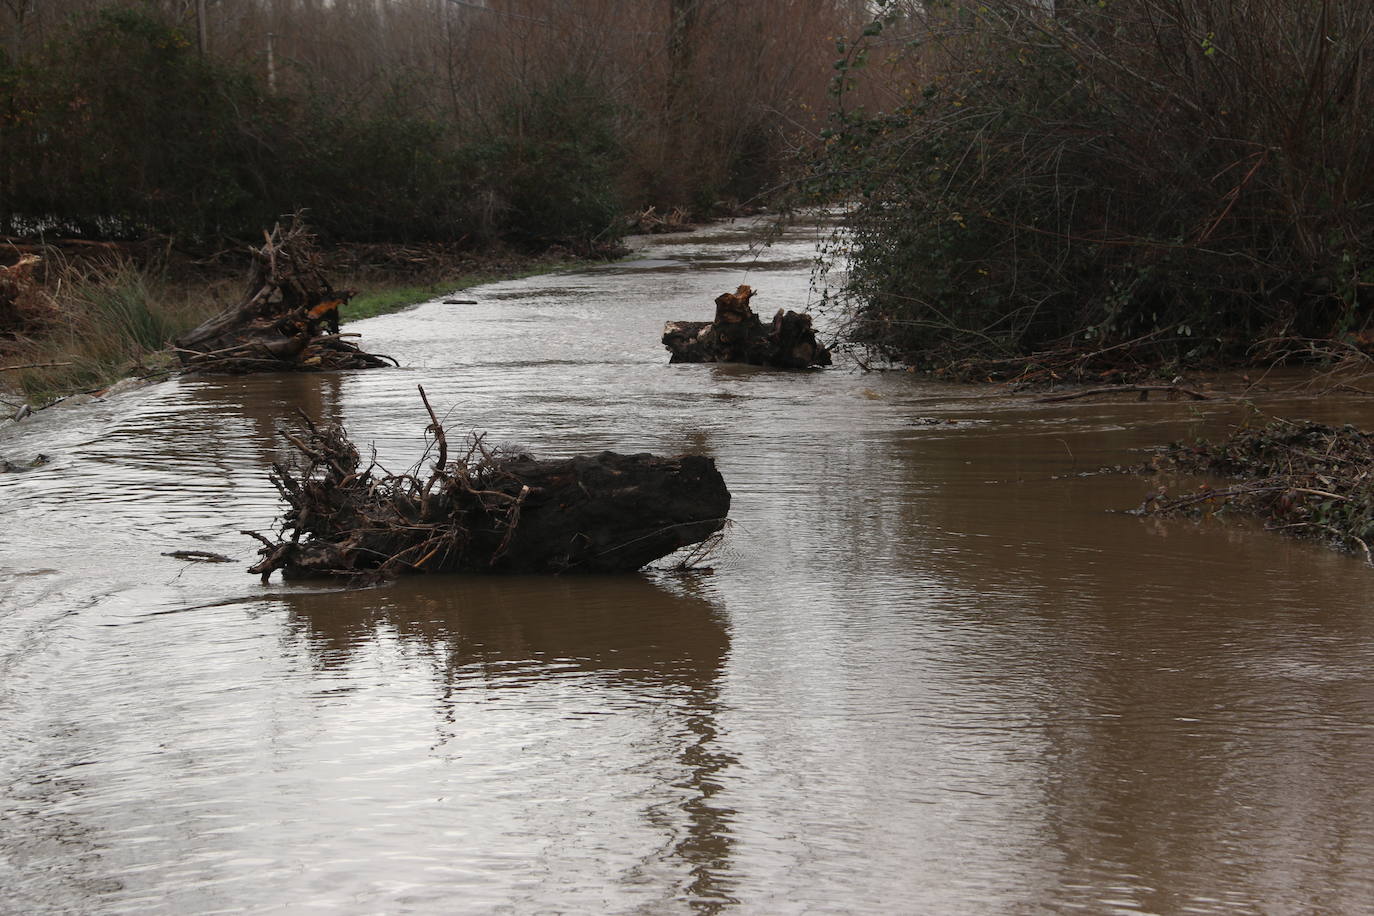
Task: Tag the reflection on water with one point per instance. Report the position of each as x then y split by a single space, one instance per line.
658 643
476 627
929 673
1196 695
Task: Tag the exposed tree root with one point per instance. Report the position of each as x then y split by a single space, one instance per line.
24 305
483 511
287 321
737 335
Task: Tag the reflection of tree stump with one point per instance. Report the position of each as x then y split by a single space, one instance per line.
738 336
288 321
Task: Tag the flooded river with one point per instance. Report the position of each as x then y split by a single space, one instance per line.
929 672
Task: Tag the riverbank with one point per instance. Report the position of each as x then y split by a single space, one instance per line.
76 323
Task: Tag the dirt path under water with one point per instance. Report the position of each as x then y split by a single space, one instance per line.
928 674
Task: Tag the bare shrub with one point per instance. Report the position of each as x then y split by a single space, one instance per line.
1043 175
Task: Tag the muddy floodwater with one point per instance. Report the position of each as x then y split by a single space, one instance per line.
929 672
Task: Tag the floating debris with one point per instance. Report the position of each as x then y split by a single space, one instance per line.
738 335
1302 478
198 556
485 511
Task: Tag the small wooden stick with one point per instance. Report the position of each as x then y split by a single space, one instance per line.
438 429
1112 389
203 556
32 366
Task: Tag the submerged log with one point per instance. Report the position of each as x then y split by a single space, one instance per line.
738 335
485 511
288 320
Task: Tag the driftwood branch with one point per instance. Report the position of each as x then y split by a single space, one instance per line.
200 556
288 319
485 512
1116 389
32 366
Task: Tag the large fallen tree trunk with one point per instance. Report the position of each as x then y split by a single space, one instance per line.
288 320
738 335
485 512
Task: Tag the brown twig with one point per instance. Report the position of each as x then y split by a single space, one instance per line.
512 520
1115 389
33 366
437 428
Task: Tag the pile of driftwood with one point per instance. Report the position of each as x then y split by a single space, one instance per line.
23 305
483 511
288 319
1302 478
737 335
651 222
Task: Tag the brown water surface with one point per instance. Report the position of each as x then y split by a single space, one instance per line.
930 673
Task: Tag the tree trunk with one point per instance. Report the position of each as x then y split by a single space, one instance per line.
487 512
737 335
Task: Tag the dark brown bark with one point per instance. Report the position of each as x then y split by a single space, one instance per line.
486 512
288 320
737 335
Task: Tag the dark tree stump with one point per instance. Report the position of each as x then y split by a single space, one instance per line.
738 335
486 512
606 513
288 321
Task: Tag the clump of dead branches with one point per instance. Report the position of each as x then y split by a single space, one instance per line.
1125 362
651 222
24 305
370 525
1302 478
482 510
287 321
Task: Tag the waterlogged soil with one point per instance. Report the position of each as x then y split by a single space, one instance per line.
928 673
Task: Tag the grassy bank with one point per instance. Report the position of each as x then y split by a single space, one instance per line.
85 326
384 295
81 327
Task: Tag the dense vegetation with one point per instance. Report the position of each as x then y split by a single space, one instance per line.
1162 181
406 120
144 144
1194 178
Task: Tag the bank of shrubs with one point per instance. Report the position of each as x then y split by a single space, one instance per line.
524 123
121 128
1196 175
